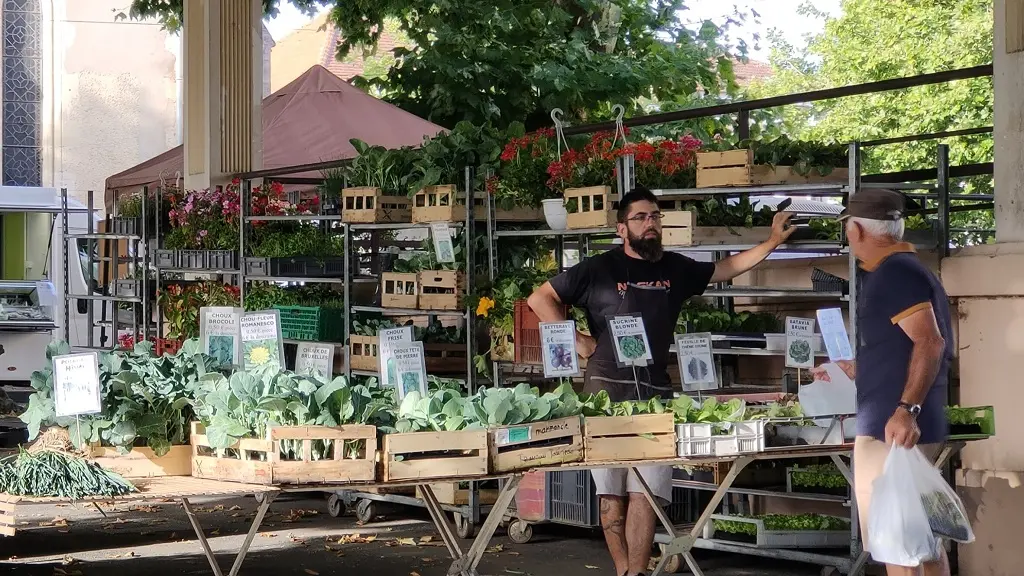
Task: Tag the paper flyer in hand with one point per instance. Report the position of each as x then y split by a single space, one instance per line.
630 339
696 362
410 369
262 344
799 342
220 333
315 358
833 332
558 348
76 384
443 246
389 339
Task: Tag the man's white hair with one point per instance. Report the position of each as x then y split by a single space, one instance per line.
891 229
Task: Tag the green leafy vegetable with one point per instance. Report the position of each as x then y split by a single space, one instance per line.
57 474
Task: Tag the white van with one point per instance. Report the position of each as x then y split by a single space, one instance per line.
31 266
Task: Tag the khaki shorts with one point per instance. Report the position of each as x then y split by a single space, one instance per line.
616 482
869 457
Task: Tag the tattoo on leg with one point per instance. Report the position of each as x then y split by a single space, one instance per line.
611 519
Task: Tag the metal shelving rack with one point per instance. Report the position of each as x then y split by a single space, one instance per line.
938 191
138 258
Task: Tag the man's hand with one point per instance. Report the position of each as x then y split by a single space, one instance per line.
585 345
848 366
902 429
780 229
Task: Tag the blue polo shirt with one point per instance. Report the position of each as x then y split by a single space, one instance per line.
891 290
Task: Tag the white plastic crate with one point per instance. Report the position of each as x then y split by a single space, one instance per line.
742 438
694 440
784 538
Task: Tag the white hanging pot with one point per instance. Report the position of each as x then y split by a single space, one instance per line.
555 213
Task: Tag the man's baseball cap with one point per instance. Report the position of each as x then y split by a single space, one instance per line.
877 204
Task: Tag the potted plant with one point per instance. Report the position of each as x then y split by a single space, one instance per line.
522 174
180 304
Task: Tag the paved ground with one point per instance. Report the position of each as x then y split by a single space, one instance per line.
298 538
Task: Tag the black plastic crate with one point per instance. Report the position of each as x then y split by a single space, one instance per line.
222 260
822 281
308 267
256 266
166 258
192 259
123 225
129 288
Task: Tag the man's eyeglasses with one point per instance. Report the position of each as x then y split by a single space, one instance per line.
644 217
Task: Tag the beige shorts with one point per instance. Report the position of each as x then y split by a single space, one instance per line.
869 457
616 482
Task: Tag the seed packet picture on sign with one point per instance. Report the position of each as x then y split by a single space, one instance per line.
561 356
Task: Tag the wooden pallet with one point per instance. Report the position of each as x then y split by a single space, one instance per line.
366 205
737 168
142 462
259 461
441 289
594 208
419 455
640 437
538 444
399 290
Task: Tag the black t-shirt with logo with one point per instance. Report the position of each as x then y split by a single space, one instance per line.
599 284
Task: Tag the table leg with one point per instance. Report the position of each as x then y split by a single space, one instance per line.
440 522
682 545
465 564
261 512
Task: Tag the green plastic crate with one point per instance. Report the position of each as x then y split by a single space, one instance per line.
311 323
985 417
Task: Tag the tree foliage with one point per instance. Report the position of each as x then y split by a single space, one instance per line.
502 61
881 39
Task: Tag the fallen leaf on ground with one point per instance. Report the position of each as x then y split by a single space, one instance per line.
312 572
233 508
496 549
406 541
589 567
298 540
144 508
425 539
267 535
128 554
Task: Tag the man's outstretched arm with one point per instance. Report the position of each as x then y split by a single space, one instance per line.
732 266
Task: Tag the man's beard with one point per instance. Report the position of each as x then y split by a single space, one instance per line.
649 249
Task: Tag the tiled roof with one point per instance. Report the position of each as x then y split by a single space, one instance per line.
747 72
354 65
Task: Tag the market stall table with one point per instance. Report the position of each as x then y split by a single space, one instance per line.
181 488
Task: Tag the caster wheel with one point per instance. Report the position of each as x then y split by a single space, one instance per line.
464 527
830 571
336 506
675 563
366 510
520 532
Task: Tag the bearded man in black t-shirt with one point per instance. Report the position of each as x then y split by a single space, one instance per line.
639 279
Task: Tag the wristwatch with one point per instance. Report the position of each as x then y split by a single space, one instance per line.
914 409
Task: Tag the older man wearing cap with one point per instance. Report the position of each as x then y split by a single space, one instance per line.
904 348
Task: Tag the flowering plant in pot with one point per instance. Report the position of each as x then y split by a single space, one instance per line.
522 173
180 304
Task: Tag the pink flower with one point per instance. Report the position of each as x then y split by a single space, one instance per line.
202 233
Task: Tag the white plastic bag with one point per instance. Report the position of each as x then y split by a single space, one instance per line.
911 507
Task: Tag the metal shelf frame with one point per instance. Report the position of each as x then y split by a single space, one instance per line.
138 259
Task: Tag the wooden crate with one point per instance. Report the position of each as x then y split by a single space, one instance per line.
639 437
420 455
142 462
737 168
437 204
441 289
366 205
450 493
677 228
725 235
363 352
538 444
243 466
399 290
593 208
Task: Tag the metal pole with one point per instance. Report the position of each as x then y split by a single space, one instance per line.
90 246
743 124
942 187
157 243
470 198
64 264
144 284
244 197
854 186
346 233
